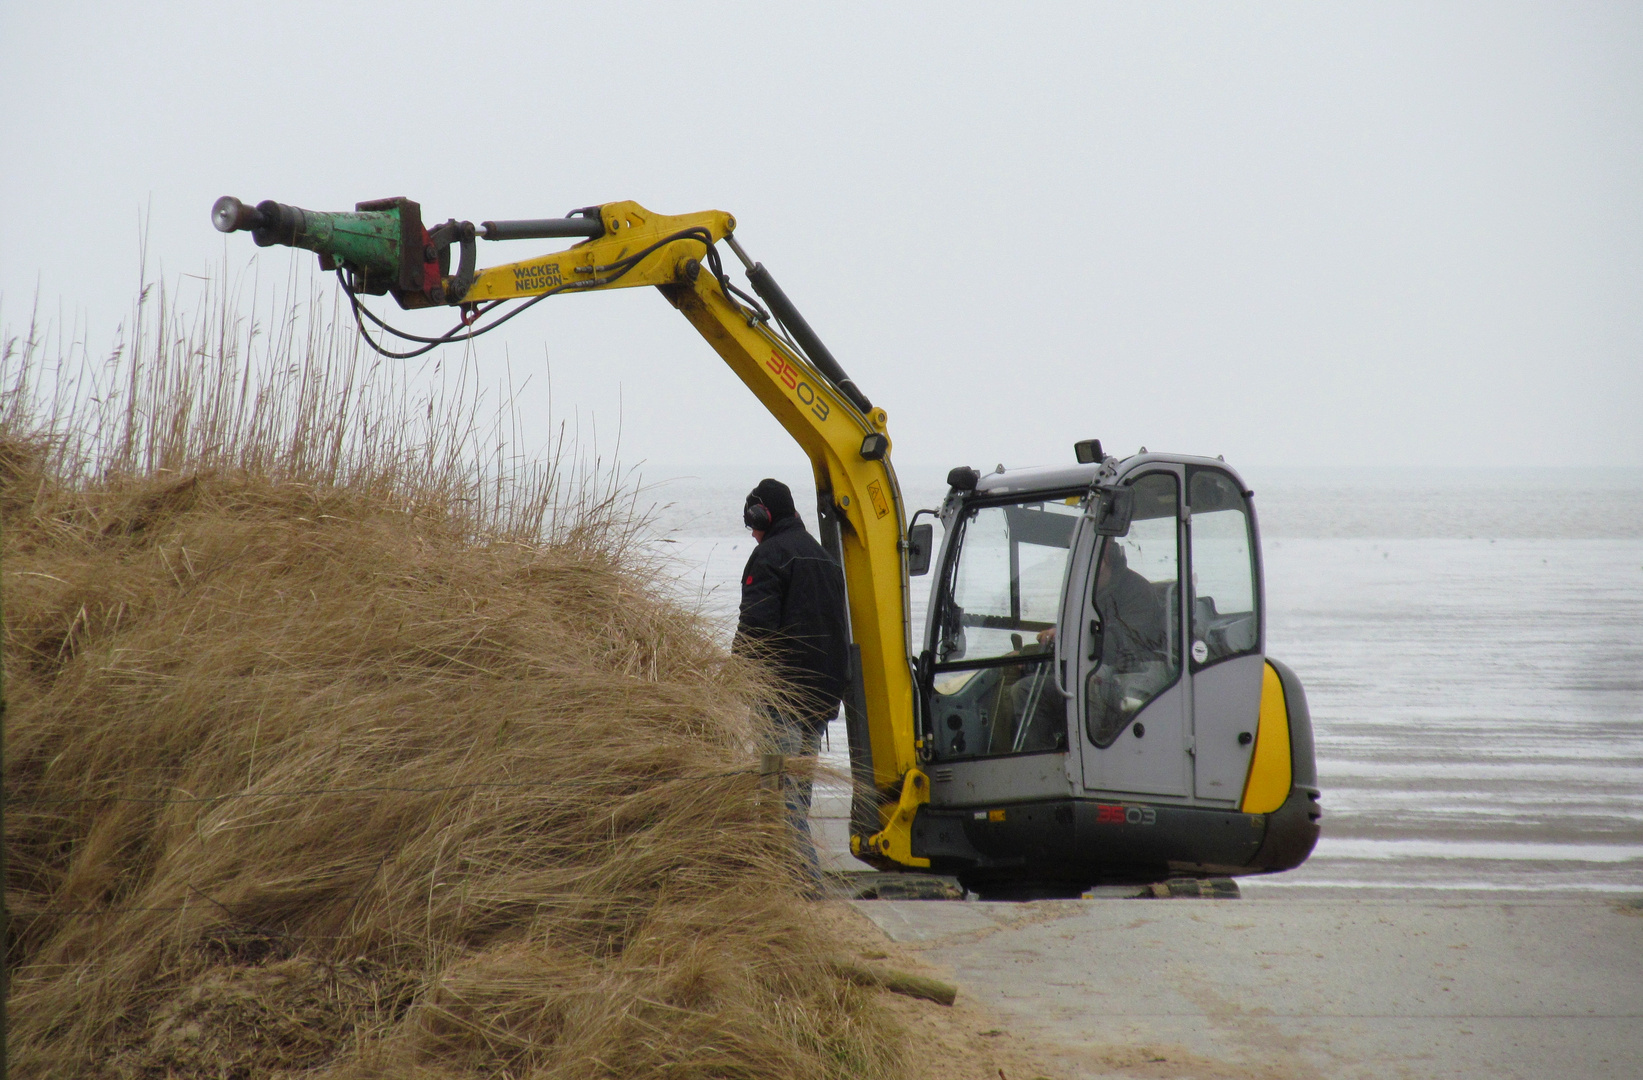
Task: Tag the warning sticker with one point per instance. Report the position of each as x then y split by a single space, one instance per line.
875 492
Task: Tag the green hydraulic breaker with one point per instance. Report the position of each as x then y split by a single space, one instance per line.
382 246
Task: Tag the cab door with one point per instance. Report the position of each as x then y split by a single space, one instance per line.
1132 709
1224 651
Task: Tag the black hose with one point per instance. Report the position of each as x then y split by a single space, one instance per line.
612 272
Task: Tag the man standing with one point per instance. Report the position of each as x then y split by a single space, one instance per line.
792 617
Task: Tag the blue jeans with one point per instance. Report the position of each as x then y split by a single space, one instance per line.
795 738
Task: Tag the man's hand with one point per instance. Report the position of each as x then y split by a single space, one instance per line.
1046 635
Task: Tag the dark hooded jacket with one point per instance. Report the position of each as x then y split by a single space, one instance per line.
793 616
1132 616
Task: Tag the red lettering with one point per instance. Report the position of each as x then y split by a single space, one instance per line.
1109 815
789 376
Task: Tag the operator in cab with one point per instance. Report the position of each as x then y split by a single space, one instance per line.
1136 658
793 618
1132 615
1135 652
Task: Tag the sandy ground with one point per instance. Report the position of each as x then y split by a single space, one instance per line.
967 1040
1459 987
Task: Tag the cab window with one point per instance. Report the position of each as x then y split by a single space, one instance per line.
1134 638
1000 598
1225 620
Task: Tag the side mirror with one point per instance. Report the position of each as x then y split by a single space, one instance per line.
920 541
1114 509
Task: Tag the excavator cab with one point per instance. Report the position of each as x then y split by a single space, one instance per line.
1096 702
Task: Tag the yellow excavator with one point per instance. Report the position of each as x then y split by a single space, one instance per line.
1092 703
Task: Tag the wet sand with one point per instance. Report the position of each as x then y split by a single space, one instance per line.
1468 987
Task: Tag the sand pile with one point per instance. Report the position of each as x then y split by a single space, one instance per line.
320 775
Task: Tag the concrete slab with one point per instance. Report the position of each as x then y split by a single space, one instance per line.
1458 988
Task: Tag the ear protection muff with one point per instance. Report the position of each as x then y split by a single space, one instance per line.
755 515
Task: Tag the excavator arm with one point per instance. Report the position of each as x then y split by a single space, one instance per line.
862 520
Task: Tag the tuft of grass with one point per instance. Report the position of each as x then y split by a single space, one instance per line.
201 382
338 746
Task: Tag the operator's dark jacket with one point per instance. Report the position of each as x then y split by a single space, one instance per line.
793 615
1132 615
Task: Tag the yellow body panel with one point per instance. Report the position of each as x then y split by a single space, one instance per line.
1269 768
830 429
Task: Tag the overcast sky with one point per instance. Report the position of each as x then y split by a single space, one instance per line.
1294 234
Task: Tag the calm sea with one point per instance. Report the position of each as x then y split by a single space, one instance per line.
1471 642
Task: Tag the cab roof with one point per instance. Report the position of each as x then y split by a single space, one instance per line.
1025 481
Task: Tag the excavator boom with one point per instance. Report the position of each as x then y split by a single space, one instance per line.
861 517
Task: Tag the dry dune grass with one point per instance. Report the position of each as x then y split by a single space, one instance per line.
334 755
